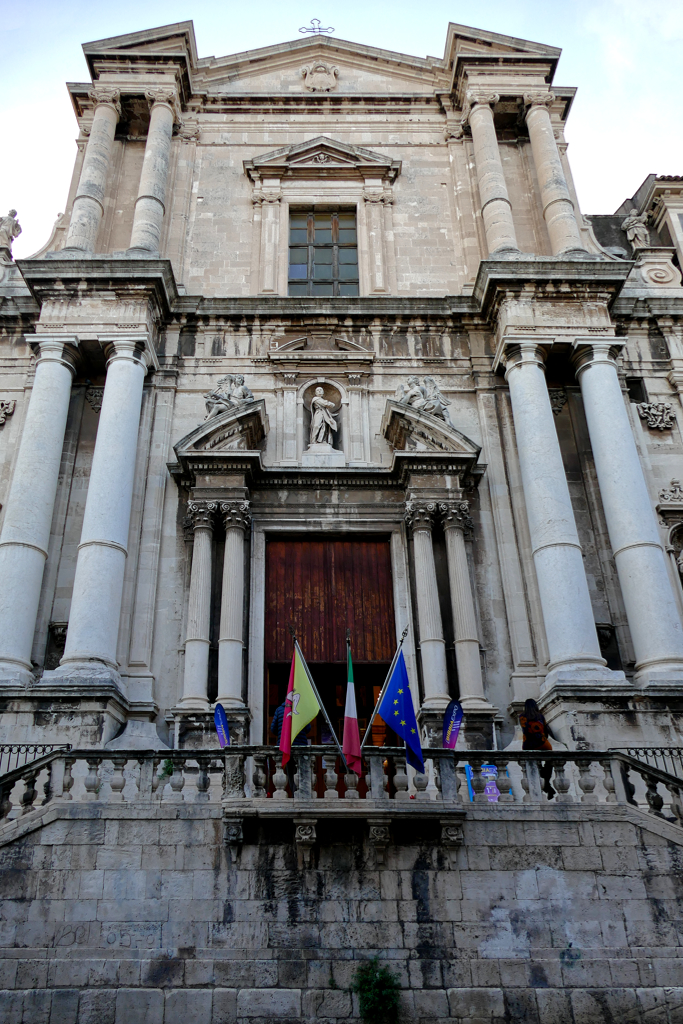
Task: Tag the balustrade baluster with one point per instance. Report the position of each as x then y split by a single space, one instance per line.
676 802
68 780
280 782
259 777
378 779
421 782
29 792
436 769
5 802
561 783
203 782
608 782
234 779
478 782
655 802
351 780
587 782
304 790
463 787
401 781
117 781
92 780
176 782
145 779
329 763
504 784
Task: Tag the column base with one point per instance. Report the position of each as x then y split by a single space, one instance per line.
196 729
83 673
595 678
84 714
138 253
663 679
138 736
14 674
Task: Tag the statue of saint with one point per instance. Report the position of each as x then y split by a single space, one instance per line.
236 394
435 403
323 423
636 230
9 230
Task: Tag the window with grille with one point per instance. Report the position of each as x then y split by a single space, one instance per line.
323 253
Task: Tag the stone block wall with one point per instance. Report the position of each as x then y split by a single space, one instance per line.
111 915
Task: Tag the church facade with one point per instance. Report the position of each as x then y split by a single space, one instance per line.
324 341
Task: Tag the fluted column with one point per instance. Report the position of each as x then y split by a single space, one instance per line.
150 205
558 208
456 519
236 517
573 645
649 599
196 680
98 584
88 207
419 517
496 209
30 503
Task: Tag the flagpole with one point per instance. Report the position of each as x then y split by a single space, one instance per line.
404 634
322 706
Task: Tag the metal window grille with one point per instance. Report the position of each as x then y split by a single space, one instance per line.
323 253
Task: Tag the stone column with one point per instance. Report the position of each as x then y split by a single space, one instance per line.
98 584
496 209
456 519
573 646
419 517
151 202
196 679
237 518
88 207
641 563
270 239
558 209
374 213
30 503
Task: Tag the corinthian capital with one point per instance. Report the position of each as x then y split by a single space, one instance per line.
420 515
106 94
455 514
200 514
164 94
538 99
236 513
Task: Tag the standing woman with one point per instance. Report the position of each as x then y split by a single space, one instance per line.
536 733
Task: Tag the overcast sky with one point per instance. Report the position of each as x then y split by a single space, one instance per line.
623 55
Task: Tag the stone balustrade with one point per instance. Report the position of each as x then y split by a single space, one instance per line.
248 781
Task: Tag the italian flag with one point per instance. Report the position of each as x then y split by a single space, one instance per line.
351 742
301 705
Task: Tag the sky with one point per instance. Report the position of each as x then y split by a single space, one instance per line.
623 55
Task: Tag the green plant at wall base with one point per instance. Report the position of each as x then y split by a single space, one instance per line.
378 990
166 769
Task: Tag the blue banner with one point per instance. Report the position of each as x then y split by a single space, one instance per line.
397 711
222 729
451 724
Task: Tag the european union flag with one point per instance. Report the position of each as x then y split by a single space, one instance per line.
397 711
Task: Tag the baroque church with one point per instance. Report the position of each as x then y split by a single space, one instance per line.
323 342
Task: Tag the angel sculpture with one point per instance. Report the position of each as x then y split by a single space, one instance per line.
219 401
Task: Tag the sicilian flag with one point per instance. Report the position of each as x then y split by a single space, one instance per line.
396 709
301 704
351 741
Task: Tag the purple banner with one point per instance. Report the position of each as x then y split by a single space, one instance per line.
451 724
221 723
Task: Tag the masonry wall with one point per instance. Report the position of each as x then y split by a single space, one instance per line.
116 916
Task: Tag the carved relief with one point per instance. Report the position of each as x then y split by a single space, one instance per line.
320 77
672 493
93 397
658 415
7 407
558 400
234 393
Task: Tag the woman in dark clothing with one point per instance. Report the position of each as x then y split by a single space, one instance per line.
536 733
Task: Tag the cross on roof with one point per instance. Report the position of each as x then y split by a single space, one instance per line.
316 30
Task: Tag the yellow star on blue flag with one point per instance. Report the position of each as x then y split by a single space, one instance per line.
397 694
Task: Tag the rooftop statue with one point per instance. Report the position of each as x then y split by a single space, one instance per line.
636 230
425 397
9 230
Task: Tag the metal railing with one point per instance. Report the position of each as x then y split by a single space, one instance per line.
247 778
14 755
667 759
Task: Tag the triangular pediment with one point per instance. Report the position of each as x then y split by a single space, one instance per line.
409 430
241 429
322 156
166 39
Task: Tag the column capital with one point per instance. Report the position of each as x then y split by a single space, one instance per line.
478 98
235 514
518 352
455 515
538 99
106 95
589 351
200 514
165 95
60 348
135 346
420 515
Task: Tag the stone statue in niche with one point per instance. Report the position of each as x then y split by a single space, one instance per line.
636 230
9 230
323 423
424 397
223 399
